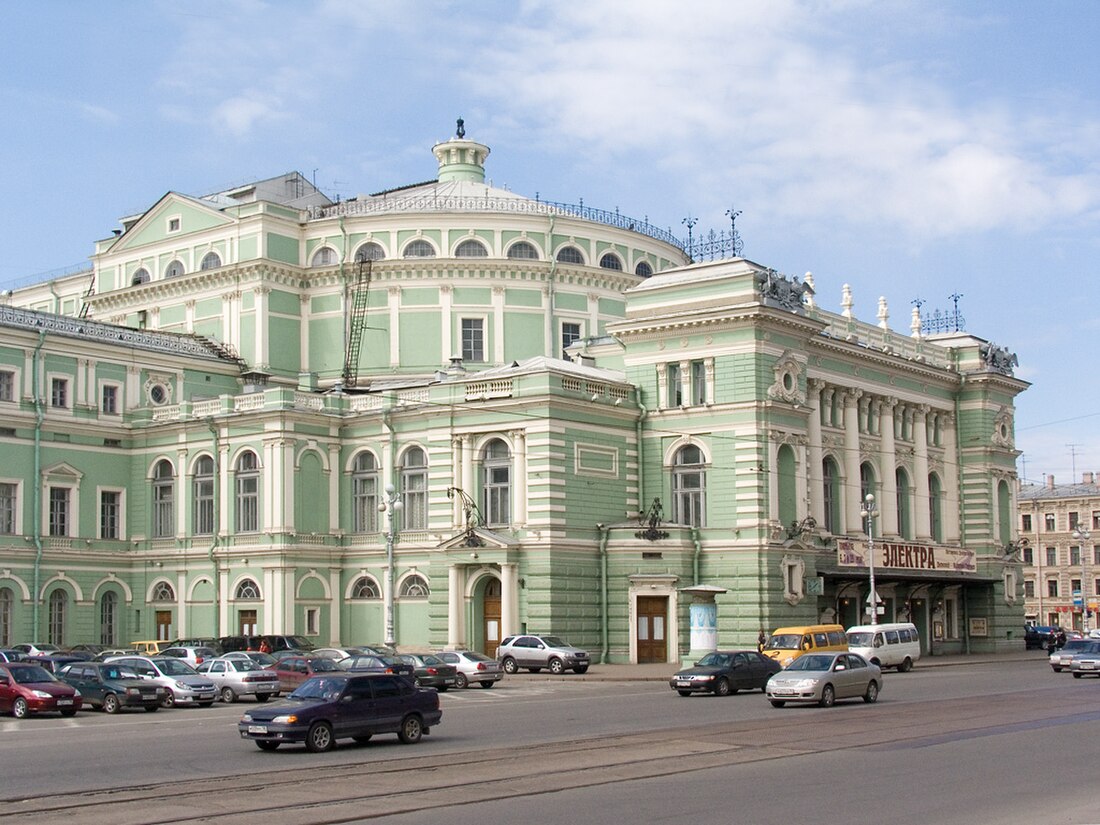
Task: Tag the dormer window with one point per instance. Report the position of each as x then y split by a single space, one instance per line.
611 261
174 224
570 255
211 260
643 269
140 277
523 251
419 249
369 251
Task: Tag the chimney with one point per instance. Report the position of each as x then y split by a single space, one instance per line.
1050 481
1087 478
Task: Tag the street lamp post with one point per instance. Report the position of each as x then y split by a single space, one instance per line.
392 506
869 512
1081 534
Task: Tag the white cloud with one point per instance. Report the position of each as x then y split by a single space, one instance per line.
239 115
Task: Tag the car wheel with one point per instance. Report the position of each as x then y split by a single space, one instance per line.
19 709
722 687
152 708
906 665
460 680
411 730
557 666
169 700
581 669
1056 669
110 703
828 696
319 739
487 684
684 692
362 740
777 703
261 697
69 712
509 665
1076 675
264 745
208 704
871 696
228 696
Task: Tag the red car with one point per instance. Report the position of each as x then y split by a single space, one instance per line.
293 670
27 688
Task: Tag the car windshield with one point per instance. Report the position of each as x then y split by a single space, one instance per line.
299 642
555 641
244 665
31 675
174 667
812 663
714 660
784 641
324 666
117 673
860 639
431 660
320 687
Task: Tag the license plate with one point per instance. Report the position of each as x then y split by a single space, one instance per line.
64 702
683 684
257 728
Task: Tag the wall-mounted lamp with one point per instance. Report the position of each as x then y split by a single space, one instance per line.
473 555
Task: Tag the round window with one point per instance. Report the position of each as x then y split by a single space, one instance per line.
788 381
158 393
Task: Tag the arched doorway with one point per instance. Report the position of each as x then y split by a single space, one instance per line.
490 611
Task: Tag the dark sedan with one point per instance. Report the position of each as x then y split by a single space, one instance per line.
343 706
723 672
375 664
429 670
112 687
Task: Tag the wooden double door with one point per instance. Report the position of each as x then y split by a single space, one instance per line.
650 629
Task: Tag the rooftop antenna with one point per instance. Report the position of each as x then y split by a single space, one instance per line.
1073 448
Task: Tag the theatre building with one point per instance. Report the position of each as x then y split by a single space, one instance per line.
446 413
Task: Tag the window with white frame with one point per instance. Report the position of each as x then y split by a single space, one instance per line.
108 399
7 385
570 255
164 509
364 493
370 251
211 260
1075 556
414 489
675 389
7 604
523 251
325 256
59 392
471 249
313 621
496 494
59 607
570 333
164 592
110 514
414 587
108 619
8 503
366 588
247 591
689 486
174 269
1048 522
140 277
419 248
202 494
60 516
248 493
174 223
611 261
698 382
643 269
473 339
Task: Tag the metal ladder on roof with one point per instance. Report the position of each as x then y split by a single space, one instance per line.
357 322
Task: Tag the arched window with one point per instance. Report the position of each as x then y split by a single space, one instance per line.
830 477
643 269
414 489
935 507
7 603
325 256
248 492
414 587
905 498
59 607
471 249
867 482
419 248
211 260
364 494
1004 509
611 261
140 277
173 270
523 251
496 491
247 591
689 487
108 619
787 486
164 509
370 251
164 592
570 255
366 588
202 487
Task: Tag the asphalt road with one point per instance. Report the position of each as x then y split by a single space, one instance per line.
977 743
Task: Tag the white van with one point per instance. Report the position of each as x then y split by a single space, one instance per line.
887 645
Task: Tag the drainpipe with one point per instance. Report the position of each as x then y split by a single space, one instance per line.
695 558
554 343
217 526
604 535
36 514
642 413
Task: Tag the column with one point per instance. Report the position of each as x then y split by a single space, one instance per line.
303 331
133 391
550 346
395 325
685 383
456 601
262 358
28 374
285 491
181 491
816 456
80 391
920 470
952 473
335 471
272 598
888 507
662 386
468 467
222 469
336 606
286 622
519 485
189 315
498 325
852 491
446 320
593 318
509 599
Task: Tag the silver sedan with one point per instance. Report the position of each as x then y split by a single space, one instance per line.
473 667
822 678
240 677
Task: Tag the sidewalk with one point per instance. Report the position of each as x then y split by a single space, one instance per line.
660 672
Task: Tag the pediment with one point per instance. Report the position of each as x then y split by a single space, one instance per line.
152 227
468 540
62 470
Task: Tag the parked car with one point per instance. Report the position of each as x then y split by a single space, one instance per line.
1040 636
294 670
27 688
112 652
112 687
822 678
367 663
151 647
194 656
36 648
183 686
538 652
94 650
429 670
473 667
12 656
262 659
341 706
723 672
54 661
338 653
1061 659
1086 662
240 677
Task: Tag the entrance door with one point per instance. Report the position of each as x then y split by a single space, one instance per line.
246 622
491 611
652 613
164 626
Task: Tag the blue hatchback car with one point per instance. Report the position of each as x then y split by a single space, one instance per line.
344 706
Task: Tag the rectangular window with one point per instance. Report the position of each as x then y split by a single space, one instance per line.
59 392
1096 588
1096 519
1096 554
248 504
7 508
59 511
1075 556
313 621
110 514
1025 522
473 339
1073 520
1052 587
1029 589
570 332
1052 557
1029 555
1074 586
109 401
7 385
365 504
204 505
675 391
698 383
414 496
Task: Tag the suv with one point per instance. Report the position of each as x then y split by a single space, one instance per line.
1040 636
230 644
538 652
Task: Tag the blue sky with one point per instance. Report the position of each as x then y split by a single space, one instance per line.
911 149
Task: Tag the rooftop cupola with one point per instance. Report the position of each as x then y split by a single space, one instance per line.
461 159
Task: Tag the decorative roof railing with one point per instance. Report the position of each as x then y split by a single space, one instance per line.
83 268
884 340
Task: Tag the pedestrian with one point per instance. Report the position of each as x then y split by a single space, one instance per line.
265 646
761 640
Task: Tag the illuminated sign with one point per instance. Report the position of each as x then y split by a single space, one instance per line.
894 555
